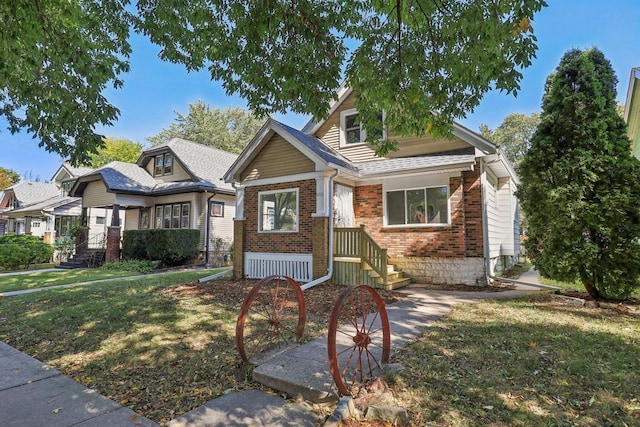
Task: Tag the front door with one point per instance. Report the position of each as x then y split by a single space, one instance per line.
344 213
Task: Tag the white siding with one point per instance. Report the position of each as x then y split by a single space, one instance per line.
493 215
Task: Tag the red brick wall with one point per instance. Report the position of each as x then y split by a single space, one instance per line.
300 242
463 238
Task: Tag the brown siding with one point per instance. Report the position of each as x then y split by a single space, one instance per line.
95 194
300 242
277 158
329 132
463 238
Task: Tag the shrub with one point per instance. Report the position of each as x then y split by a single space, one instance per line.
133 244
21 250
138 265
171 246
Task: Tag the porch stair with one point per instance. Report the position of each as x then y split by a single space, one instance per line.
395 279
358 259
85 259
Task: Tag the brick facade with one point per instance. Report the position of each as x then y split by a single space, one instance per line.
300 242
320 246
238 249
113 244
463 238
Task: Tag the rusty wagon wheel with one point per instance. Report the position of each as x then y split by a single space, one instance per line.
359 338
272 316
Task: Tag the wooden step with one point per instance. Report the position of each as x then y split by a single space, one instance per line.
396 283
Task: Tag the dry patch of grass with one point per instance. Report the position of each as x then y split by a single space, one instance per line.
530 361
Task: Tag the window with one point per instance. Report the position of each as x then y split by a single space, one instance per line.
217 209
145 218
176 215
278 211
351 132
35 224
163 165
100 220
420 206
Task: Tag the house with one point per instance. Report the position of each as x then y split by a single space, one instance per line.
632 111
318 204
173 185
15 218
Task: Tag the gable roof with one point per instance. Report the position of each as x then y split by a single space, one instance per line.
27 192
72 171
204 163
310 146
480 143
48 206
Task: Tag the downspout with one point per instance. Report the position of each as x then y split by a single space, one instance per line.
206 233
485 242
330 268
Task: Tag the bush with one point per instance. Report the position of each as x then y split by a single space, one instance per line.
138 265
21 250
171 246
133 244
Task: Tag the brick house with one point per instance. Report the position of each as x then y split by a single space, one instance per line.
318 204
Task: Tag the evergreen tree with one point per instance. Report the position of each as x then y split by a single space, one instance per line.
580 185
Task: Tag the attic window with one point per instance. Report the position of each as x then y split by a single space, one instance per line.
351 132
163 165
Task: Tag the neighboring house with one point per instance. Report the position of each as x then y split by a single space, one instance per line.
14 219
173 185
318 204
632 111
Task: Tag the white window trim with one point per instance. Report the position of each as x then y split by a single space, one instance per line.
418 225
287 190
363 132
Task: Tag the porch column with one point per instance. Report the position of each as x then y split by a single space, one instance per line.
238 249
320 249
115 216
27 225
11 224
113 244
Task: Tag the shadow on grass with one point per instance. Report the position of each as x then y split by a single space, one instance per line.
157 354
525 362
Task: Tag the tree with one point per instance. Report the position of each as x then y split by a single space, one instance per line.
121 149
404 58
513 135
229 129
8 177
580 185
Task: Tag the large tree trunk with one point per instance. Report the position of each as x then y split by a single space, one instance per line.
591 290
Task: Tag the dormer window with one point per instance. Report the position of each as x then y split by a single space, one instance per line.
163 165
351 131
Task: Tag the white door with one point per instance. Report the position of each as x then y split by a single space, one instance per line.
344 213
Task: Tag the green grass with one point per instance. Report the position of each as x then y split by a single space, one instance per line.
139 342
44 279
578 286
534 361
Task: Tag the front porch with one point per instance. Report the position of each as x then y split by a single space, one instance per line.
358 259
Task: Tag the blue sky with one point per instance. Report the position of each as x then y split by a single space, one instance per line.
154 90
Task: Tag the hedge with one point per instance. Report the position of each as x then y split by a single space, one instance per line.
22 250
171 246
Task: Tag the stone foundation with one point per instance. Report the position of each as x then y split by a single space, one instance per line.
443 271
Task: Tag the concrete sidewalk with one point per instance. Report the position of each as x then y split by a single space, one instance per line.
33 394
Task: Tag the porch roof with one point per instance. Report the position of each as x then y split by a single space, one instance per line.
46 206
455 160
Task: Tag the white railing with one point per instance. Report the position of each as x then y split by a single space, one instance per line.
260 265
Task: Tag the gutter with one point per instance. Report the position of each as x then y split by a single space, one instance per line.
485 243
330 257
208 219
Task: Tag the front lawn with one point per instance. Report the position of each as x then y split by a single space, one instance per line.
160 345
43 279
535 361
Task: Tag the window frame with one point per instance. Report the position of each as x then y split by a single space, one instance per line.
217 209
163 164
363 132
260 223
406 224
166 214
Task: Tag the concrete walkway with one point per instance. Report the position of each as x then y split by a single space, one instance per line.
33 394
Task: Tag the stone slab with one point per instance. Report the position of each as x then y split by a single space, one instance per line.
17 368
52 402
247 408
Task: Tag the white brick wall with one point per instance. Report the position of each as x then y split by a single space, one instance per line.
443 271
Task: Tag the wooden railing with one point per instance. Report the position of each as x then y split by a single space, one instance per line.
356 243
